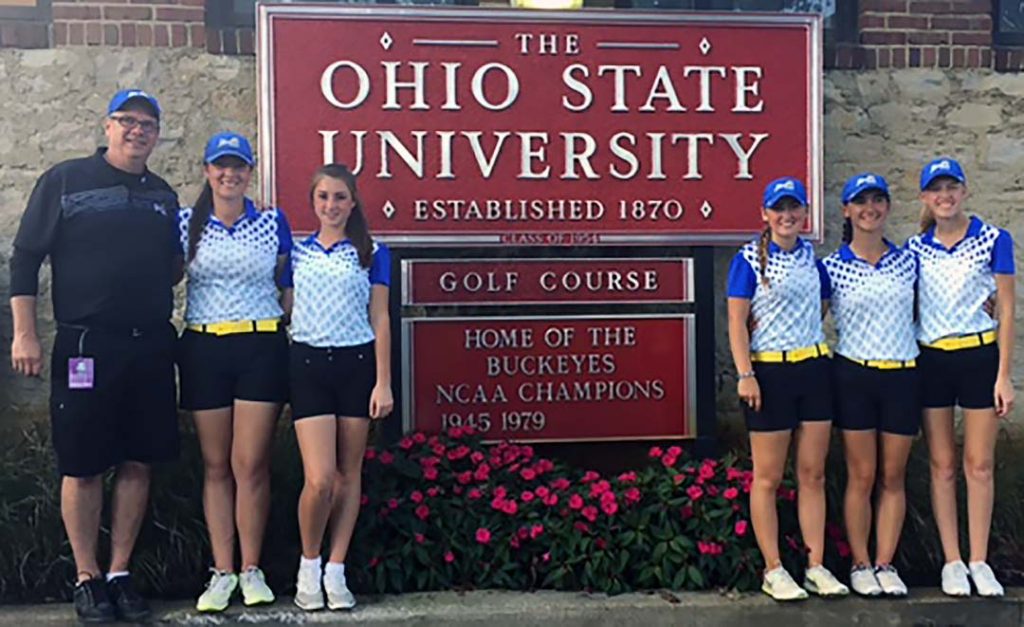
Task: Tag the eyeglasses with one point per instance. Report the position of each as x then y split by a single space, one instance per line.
128 122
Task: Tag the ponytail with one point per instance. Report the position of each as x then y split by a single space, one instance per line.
762 253
847 231
927 218
201 211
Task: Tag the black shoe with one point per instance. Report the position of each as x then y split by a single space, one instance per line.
92 604
130 605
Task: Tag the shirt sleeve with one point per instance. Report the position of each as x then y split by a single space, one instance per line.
1002 254
284 234
742 280
826 282
380 267
36 234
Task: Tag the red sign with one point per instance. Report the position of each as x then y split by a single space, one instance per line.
551 379
546 281
527 127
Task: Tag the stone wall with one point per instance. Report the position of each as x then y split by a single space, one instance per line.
885 120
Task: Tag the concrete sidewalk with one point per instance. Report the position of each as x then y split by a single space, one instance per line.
517 609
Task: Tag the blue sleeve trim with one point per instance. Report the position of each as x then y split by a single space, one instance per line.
826 282
742 280
284 234
380 267
1002 254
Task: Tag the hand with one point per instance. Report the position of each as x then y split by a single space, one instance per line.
750 392
381 402
1004 394
27 355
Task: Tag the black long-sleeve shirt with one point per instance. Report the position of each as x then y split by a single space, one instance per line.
112 242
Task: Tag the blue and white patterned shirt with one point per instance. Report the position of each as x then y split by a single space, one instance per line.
788 309
232 275
956 282
332 292
873 304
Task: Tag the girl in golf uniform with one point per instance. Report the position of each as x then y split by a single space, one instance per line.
340 375
784 381
233 360
965 360
878 407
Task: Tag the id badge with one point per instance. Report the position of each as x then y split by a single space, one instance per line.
81 373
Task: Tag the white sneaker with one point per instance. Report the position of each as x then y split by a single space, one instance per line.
864 582
818 580
890 581
954 579
780 586
217 595
255 590
309 592
339 597
985 580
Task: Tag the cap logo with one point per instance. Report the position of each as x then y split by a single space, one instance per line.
224 141
869 179
784 185
941 165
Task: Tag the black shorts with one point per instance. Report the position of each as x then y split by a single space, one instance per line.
876 399
965 377
791 393
128 414
217 369
332 381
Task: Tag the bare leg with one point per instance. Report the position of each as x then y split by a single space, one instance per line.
131 495
317 436
981 426
81 500
352 434
250 464
861 449
892 495
812 449
768 450
938 428
213 427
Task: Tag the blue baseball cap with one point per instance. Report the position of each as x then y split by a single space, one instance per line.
943 166
228 145
122 98
783 187
863 182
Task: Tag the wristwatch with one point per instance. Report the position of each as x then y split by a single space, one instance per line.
746 375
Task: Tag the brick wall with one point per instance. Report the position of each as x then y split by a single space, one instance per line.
156 23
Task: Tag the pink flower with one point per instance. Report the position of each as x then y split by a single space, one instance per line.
600 543
575 501
422 512
514 541
374 561
589 476
500 492
694 492
740 528
633 495
405 444
669 460
474 494
430 474
655 452
429 462
686 512
483 536
732 474
786 494
550 500
542 491
370 454
416 496
458 453
589 512
433 491
599 487
509 507
706 471
449 557
709 548
674 451
392 503
627 477
457 490
581 526
419 538
476 457
527 496
464 477
438 449
678 479
455 432
482 472
560 484
528 474
546 557
419 437
386 458
536 531
609 507
363 500
712 490
731 493
608 497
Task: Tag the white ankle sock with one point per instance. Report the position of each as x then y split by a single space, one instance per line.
305 562
114 575
335 567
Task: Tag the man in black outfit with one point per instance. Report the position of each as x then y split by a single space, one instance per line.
108 225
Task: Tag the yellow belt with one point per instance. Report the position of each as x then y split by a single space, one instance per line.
886 364
793 356
963 341
270 325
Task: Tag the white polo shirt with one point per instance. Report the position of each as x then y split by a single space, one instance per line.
955 282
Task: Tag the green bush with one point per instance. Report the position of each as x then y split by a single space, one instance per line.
451 513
